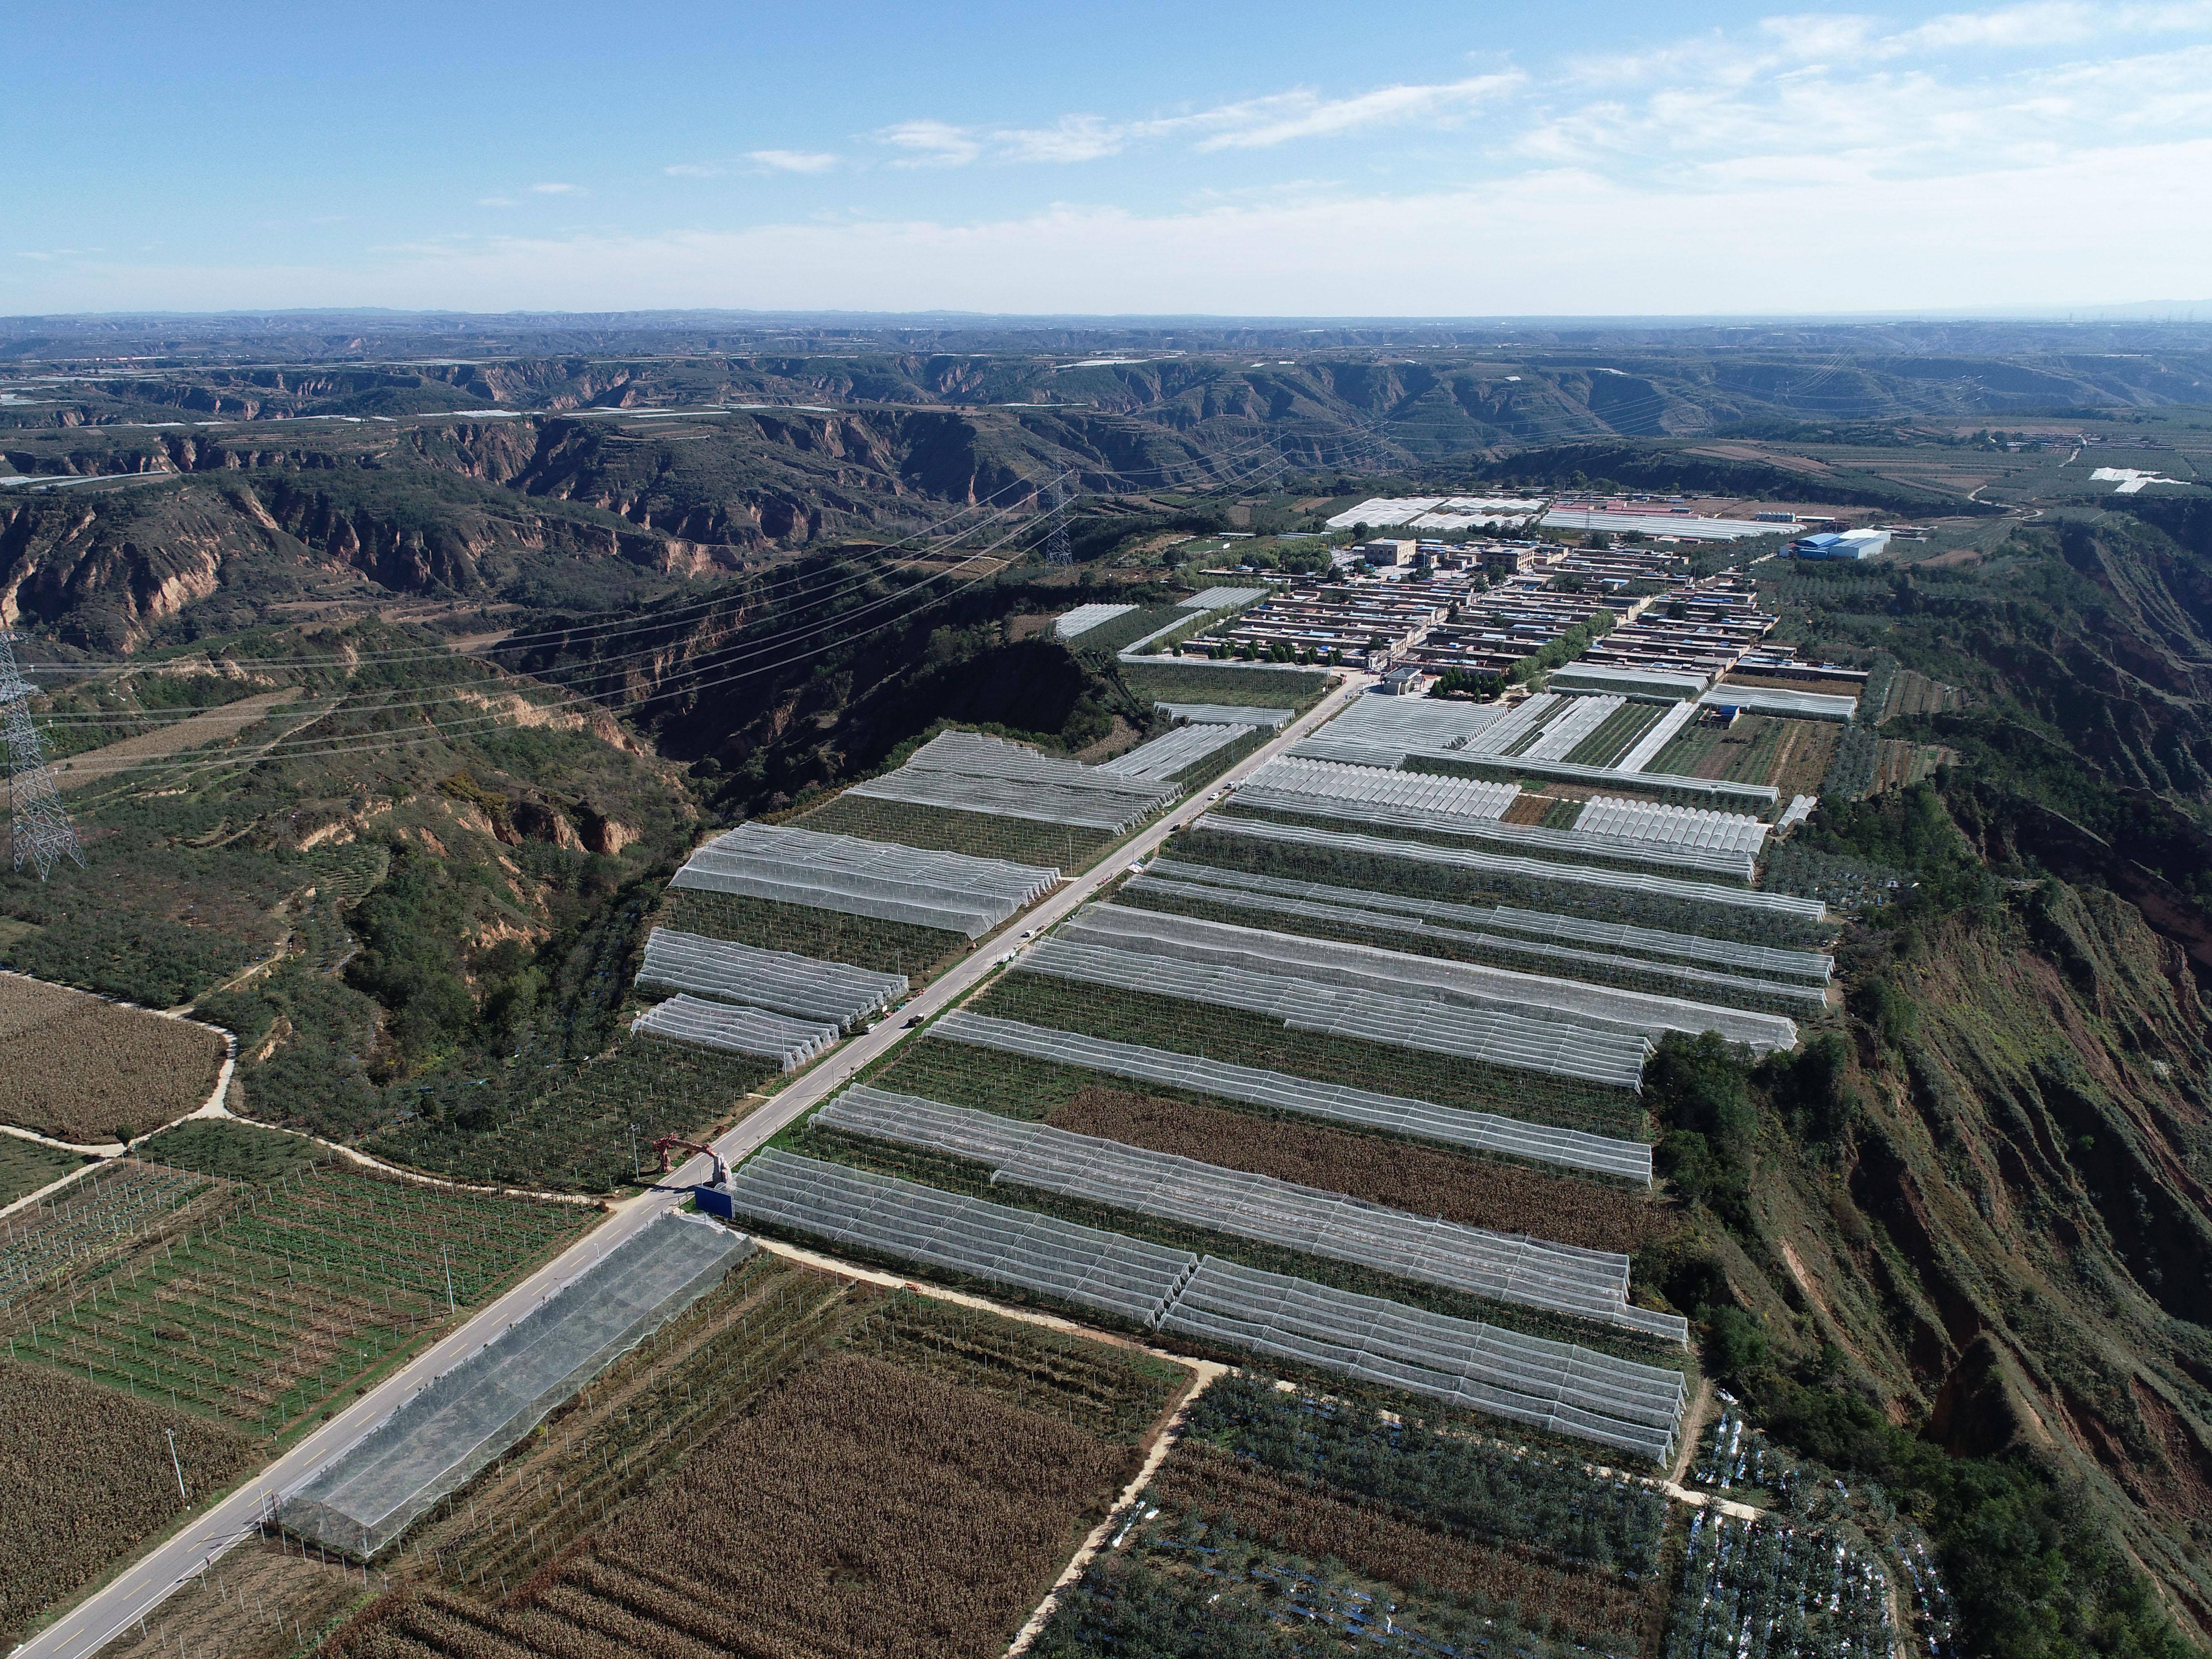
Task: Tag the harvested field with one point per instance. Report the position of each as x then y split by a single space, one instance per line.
1781 683
194 731
85 1481
1422 1181
1898 764
26 1166
266 1600
1063 847
863 1512
886 947
1802 756
80 1068
1916 693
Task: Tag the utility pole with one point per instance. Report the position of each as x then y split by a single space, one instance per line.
40 830
177 1463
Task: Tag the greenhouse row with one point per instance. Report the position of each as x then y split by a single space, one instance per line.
1570 844
1646 747
1812 966
1340 1102
1222 599
1559 1386
1398 973
1074 624
774 980
1714 791
881 879
1172 752
974 1236
1701 985
1363 785
1675 826
1784 704
1501 1267
1612 1059
1225 713
737 1030
1581 718
1784 909
966 771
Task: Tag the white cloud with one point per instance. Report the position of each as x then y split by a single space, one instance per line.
1302 115
555 189
932 143
793 160
495 201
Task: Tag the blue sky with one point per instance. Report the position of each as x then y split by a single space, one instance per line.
1291 160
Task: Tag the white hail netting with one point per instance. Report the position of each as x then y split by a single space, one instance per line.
970 1236
1501 1267
1559 1386
1533 838
1773 700
968 772
777 979
1382 732
1220 599
1339 1103
1364 785
1614 1059
1715 791
1644 683
1172 751
1225 713
1400 973
1564 733
875 879
1648 745
1580 875
1513 728
1675 826
1814 966
738 1030
1602 967
438 1438
1073 624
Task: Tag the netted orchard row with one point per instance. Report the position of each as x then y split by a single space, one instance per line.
1065 847
1385 872
259 1304
884 947
1768 1591
1249 1039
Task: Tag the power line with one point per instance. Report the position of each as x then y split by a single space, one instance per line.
39 830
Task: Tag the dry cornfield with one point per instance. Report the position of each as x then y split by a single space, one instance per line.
1423 1180
85 1479
864 1511
79 1068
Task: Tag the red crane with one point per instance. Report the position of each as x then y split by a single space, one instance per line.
662 1145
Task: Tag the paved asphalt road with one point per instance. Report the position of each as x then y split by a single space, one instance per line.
136 1591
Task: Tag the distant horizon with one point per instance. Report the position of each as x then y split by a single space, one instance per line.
1592 161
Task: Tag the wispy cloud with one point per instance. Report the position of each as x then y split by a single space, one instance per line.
793 160
495 201
556 189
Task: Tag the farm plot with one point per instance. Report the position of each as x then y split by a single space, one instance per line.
1427 928
1033 1068
1765 1589
854 876
588 1130
1421 870
85 1479
256 1306
1614 737
906 949
885 1512
80 1068
1285 1517
267 1599
973 773
1178 1197
1258 688
804 987
1065 847
26 1166
1598 1010
1251 1039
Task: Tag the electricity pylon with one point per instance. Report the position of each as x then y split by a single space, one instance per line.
39 830
1056 552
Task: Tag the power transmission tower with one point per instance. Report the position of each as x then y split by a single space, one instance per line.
41 830
1056 495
